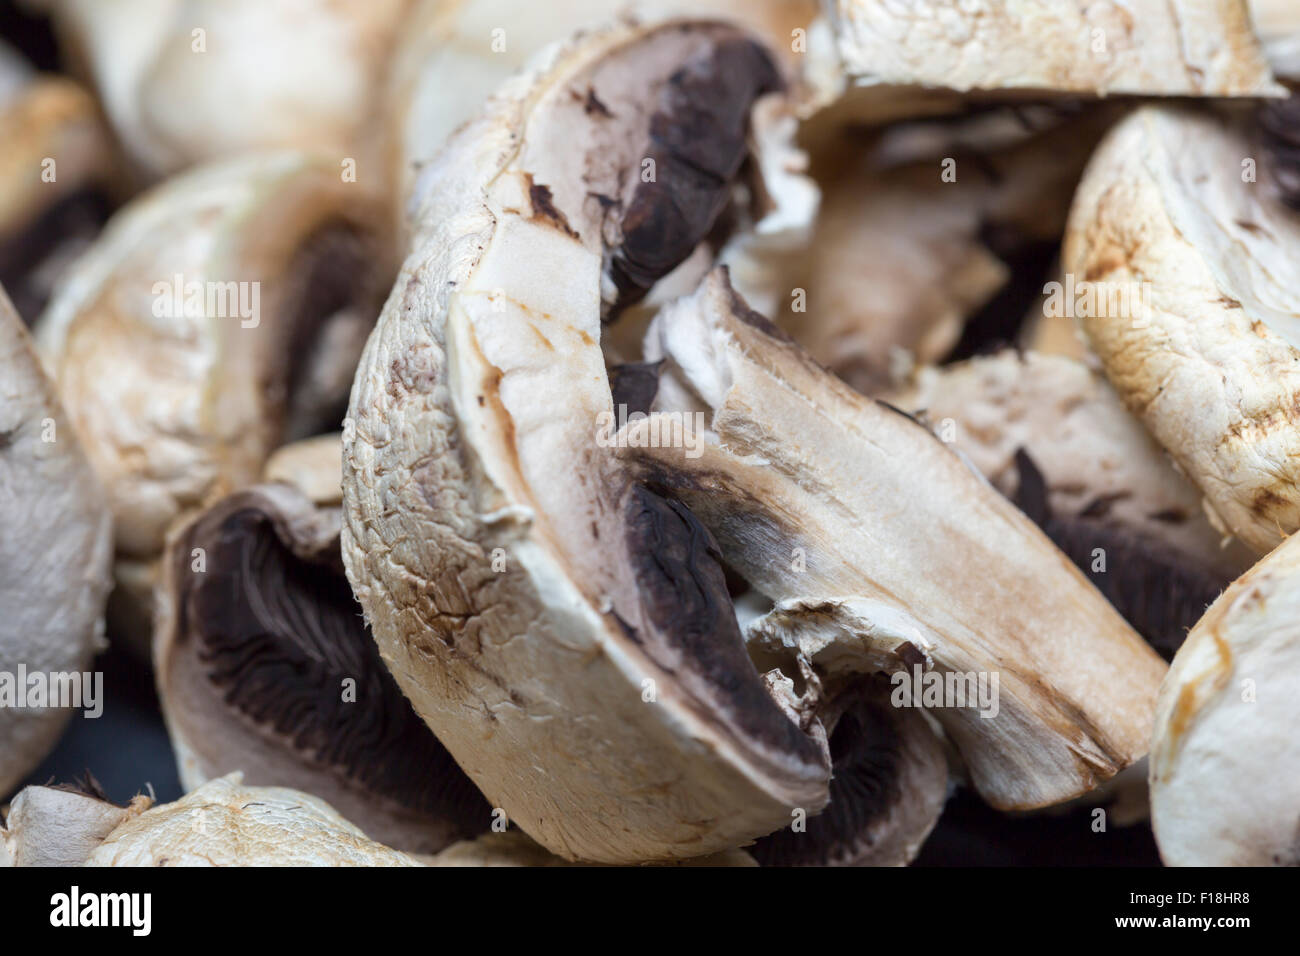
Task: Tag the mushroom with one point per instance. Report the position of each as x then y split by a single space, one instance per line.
879 60
223 823
565 630
55 553
1053 436
219 315
1224 791
901 256
56 180
1185 283
264 665
184 81
454 55
885 553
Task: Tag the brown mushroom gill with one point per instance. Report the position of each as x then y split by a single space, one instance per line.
697 142
272 635
1159 590
1279 123
333 280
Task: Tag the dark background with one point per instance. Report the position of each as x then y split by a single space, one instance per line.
127 750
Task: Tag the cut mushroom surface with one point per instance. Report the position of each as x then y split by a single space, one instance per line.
55 556
897 554
264 665
564 629
1182 253
218 316
1224 752
1055 437
223 823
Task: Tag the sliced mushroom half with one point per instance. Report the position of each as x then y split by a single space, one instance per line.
1182 253
219 315
265 665
565 629
55 555
1055 437
1224 753
886 553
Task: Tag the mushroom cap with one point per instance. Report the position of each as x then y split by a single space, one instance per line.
1200 328
563 629
1277 23
515 848
55 552
217 316
174 104
1224 751
224 823
914 57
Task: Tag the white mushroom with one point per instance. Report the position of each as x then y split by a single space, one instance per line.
1224 752
1182 256
55 554
218 315
886 553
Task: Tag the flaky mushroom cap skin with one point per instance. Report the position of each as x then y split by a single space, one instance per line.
1224 751
476 415
1184 47
55 553
1207 353
224 823
186 81
181 403
899 555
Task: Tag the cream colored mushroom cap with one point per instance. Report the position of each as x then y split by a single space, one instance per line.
1200 330
1225 789
224 823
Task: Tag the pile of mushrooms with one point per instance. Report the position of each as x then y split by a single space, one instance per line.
719 433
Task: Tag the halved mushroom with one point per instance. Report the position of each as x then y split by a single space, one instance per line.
899 59
55 553
564 629
886 553
218 316
1054 437
264 665
223 823
185 81
454 55
56 175
1224 753
1187 285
